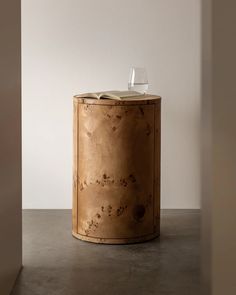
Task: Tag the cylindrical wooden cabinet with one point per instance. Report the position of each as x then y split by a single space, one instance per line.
116 183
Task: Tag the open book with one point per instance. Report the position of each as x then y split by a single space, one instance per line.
114 94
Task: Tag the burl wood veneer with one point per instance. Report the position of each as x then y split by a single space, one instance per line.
116 187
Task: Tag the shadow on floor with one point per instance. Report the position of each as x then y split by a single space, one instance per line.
56 263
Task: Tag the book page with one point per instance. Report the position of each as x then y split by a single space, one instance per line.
111 94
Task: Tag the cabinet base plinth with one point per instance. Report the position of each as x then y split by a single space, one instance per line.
115 241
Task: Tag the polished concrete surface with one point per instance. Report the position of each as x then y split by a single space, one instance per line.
55 263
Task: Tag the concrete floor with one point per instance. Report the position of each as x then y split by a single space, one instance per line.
56 263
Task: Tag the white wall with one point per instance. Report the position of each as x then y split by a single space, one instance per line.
72 46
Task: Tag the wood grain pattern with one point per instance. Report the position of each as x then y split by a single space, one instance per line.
116 170
75 167
157 167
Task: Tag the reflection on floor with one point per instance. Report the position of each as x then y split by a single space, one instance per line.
55 263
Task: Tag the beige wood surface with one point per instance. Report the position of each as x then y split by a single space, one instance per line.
75 167
116 170
149 99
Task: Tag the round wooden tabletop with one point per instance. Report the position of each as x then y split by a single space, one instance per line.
145 99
